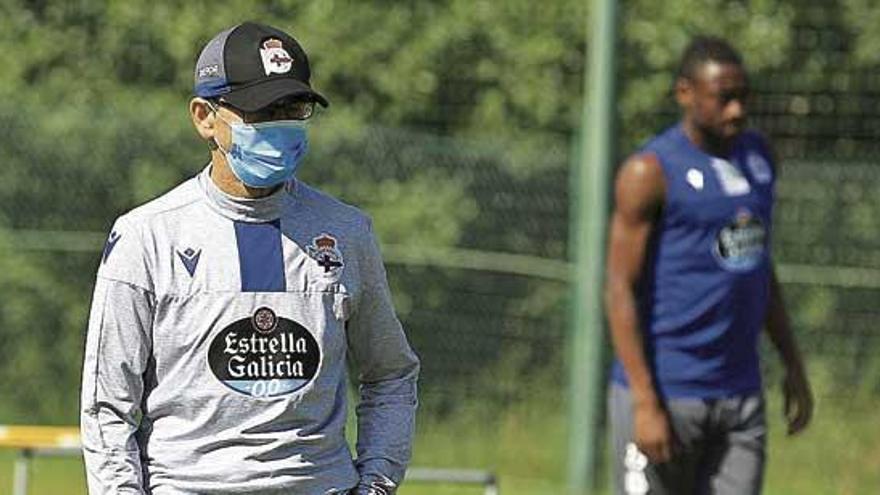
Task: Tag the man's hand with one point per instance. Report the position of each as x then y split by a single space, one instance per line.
798 405
653 435
382 486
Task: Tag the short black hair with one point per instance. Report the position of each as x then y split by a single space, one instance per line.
704 49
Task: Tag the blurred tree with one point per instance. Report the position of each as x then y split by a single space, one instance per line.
656 33
863 17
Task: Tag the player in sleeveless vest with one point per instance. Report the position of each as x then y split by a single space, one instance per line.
690 284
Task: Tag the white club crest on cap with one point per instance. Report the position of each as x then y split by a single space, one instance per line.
275 57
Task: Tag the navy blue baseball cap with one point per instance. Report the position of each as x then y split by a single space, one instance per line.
251 65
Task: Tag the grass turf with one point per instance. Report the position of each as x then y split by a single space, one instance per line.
525 446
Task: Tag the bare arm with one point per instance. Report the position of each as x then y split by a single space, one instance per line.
796 387
639 196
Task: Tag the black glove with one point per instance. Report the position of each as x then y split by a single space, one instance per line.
377 487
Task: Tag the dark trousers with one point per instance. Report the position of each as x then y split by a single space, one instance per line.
720 447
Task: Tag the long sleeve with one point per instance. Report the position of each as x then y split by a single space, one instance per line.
387 371
117 351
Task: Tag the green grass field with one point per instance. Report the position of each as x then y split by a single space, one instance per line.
525 446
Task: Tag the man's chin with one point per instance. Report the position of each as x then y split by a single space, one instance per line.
730 131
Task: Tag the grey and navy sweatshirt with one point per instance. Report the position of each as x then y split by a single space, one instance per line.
217 343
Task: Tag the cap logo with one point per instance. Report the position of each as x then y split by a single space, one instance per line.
212 70
275 58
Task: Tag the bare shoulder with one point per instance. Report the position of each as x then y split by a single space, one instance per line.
640 183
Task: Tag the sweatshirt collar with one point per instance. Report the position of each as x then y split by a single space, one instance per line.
256 210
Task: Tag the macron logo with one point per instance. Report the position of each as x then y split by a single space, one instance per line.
190 259
108 247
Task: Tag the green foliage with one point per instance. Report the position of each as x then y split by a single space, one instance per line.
863 17
39 342
655 34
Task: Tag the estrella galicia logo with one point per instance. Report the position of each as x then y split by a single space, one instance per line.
740 244
265 320
264 355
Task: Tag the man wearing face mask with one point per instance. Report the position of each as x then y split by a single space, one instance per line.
224 311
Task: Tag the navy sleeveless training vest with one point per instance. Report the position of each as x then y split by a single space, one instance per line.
704 292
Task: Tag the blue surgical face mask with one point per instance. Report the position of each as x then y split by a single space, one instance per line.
266 154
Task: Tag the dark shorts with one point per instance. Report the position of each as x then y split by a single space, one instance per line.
721 447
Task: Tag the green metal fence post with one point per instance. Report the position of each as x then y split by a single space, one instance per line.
590 200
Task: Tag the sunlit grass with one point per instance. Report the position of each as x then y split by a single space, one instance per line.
525 446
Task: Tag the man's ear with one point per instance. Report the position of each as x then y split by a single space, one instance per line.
684 92
203 118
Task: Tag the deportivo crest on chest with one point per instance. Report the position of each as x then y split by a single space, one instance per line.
275 58
324 249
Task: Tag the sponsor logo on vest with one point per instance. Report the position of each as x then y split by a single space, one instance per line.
264 355
740 244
